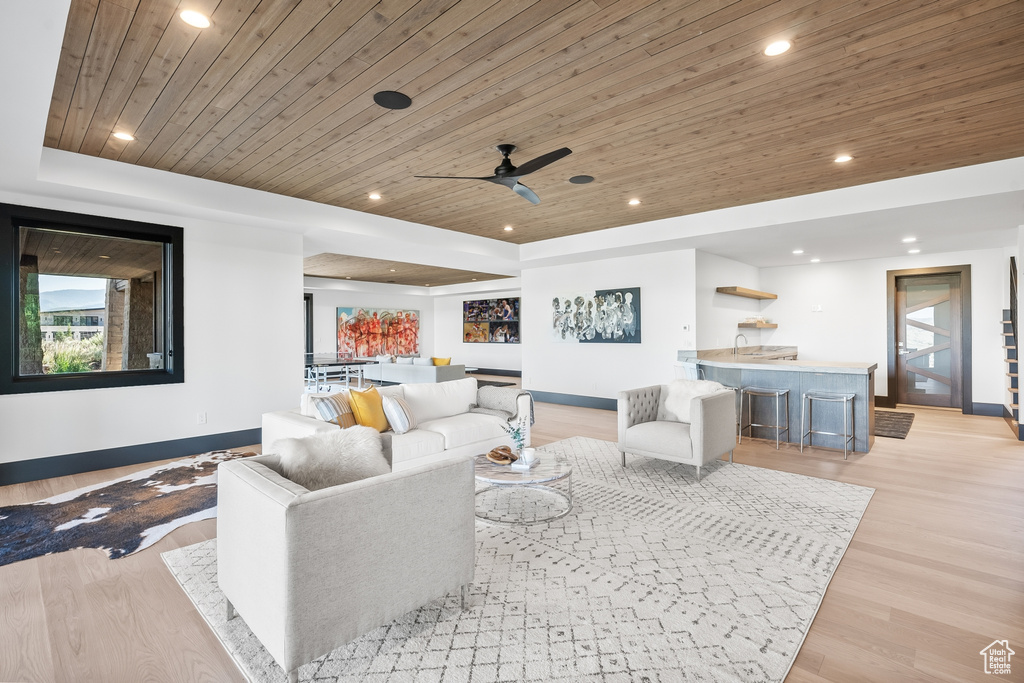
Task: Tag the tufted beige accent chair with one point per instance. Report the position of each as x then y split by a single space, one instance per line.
645 428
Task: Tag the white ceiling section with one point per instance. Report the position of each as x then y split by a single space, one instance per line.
968 208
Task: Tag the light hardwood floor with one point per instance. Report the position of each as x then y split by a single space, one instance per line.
935 571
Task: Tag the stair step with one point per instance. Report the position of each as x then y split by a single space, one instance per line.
1010 347
1011 374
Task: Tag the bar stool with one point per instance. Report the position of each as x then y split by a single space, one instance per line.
807 410
776 394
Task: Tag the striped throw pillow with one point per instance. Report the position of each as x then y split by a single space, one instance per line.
399 415
334 408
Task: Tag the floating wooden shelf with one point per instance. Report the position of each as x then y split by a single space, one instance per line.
762 326
749 293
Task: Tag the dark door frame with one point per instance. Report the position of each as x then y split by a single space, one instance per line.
307 302
964 271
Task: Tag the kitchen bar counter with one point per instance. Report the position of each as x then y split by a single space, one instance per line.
799 376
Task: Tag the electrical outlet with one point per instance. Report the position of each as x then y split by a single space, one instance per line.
200 418
816 308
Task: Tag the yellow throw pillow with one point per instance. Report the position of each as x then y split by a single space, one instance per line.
442 361
368 409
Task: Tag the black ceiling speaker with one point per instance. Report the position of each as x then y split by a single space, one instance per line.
508 175
391 99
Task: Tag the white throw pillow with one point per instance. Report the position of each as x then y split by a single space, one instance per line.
423 361
383 359
674 405
399 414
331 458
404 360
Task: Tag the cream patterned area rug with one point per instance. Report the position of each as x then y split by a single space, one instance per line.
653 577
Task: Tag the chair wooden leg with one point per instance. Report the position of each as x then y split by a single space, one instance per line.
229 610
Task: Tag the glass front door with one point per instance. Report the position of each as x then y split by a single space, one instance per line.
928 340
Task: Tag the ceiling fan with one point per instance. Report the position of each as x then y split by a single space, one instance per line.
508 175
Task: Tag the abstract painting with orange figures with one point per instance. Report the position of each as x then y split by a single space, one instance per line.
366 332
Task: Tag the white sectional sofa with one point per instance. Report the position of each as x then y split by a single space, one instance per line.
446 426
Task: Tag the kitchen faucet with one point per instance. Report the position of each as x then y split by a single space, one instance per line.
736 343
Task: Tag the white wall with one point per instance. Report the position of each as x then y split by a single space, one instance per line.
325 314
718 314
852 323
243 345
666 282
449 340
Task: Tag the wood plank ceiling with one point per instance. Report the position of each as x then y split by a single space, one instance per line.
671 102
342 267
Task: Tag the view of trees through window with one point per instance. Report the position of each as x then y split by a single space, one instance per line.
89 303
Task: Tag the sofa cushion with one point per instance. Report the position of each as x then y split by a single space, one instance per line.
422 361
368 409
467 428
442 361
404 360
432 401
334 408
660 437
332 458
399 414
675 397
415 444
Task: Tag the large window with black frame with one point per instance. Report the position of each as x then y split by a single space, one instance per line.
92 302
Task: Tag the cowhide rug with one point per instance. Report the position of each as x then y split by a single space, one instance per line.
122 516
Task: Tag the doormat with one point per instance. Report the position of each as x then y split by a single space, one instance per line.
893 425
122 516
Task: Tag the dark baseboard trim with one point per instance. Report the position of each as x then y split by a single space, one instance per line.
884 402
575 400
988 409
496 371
76 463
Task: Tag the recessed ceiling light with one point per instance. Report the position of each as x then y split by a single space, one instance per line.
474 279
634 202
426 285
843 158
127 137
581 179
908 240
348 277
104 257
197 19
374 195
508 228
815 260
392 99
798 251
392 270
777 48
914 251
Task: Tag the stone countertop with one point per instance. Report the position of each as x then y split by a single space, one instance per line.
748 352
761 363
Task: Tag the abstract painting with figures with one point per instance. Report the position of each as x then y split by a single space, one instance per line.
367 332
608 316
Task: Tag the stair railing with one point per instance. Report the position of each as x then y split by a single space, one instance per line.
1013 299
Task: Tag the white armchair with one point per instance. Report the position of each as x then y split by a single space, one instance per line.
689 421
310 571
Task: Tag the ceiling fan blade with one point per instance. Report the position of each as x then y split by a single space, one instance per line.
453 177
542 161
526 193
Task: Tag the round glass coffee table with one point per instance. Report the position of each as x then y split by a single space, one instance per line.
529 497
